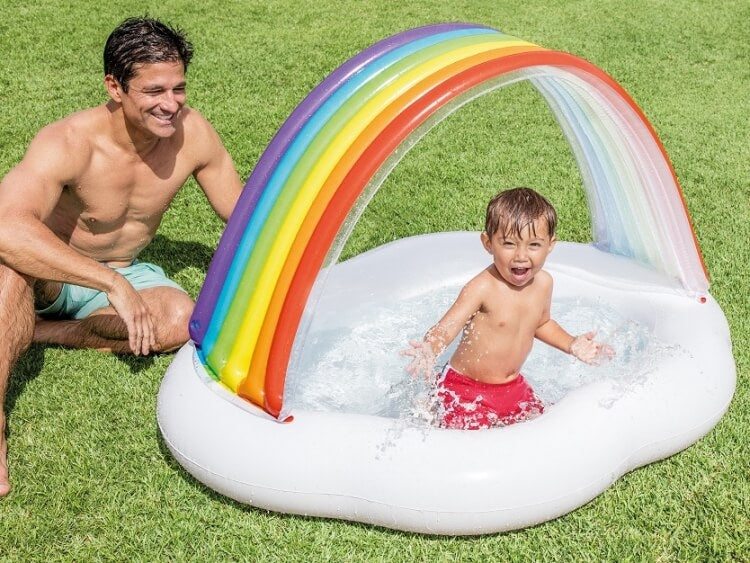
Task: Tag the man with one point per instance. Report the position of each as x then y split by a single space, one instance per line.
89 195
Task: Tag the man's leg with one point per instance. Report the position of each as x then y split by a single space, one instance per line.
17 324
103 330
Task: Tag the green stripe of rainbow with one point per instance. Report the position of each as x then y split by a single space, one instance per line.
636 205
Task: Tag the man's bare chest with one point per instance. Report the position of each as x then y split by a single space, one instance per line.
109 196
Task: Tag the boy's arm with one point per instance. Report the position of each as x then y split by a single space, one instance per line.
468 302
583 346
553 334
548 331
436 340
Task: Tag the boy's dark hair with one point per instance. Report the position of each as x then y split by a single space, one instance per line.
513 210
141 41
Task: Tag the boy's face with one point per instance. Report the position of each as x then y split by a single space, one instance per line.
518 259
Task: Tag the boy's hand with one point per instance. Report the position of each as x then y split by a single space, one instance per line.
422 359
589 351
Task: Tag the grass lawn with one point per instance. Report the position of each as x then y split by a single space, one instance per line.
92 478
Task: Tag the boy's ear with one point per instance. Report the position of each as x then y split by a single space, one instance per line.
552 242
486 243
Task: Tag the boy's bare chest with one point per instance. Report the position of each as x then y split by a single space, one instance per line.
515 312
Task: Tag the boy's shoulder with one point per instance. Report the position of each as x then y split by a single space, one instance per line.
544 276
486 277
543 281
484 281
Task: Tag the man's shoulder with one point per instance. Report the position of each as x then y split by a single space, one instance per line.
63 148
75 131
194 120
199 138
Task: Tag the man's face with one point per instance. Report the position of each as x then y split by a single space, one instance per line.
155 96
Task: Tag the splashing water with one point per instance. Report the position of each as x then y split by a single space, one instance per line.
354 366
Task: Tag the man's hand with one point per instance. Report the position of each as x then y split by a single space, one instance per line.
423 359
589 351
133 311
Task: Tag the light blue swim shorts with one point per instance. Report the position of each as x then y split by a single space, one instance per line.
76 302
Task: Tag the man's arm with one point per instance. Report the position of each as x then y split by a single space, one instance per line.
28 195
216 174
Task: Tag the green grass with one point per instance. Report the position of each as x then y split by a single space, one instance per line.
93 480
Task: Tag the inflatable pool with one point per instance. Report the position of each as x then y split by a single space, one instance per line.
275 279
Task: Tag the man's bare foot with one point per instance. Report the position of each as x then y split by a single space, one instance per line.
4 481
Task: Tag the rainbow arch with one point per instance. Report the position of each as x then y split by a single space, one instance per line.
340 143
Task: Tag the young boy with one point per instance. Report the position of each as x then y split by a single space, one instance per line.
501 310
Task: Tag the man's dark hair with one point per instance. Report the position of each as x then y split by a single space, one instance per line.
143 40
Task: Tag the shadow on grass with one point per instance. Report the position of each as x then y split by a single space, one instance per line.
176 255
137 364
28 367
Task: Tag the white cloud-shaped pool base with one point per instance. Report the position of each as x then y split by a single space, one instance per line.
382 471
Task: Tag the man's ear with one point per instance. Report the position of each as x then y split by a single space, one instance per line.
486 243
113 88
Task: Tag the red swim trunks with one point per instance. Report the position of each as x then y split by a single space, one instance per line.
470 405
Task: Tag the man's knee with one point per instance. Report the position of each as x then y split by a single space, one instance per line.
16 309
11 278
15 290
172 324
180 312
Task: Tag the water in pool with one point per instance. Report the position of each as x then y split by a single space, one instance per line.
351 362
